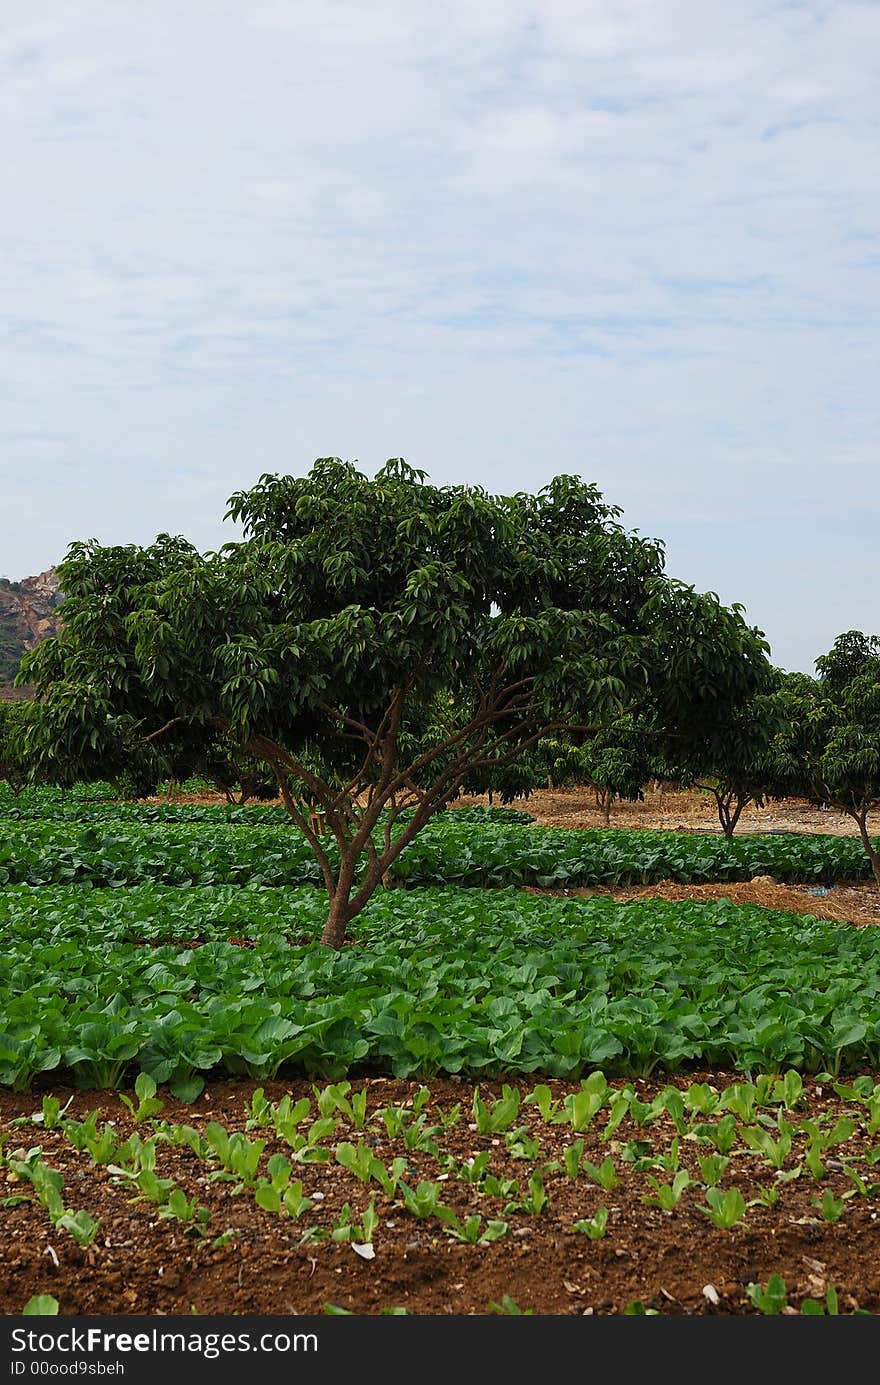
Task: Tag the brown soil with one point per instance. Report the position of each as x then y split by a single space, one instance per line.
674 810
667 808
855 902
675 1262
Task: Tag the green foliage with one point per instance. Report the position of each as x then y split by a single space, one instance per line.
596 1226
116 852
616 762
508 1307
829 747
369 639
15 763
724 1209
41 1305
770 1300
454 981
666 1196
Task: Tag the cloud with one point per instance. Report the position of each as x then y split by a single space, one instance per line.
629 239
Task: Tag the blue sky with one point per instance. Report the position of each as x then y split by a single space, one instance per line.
636 240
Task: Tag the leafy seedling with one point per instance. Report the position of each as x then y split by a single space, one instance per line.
40 1306
51 1113
700 1098
148 1103
473 1170
522 1144
192 1213
742 1099
535 1200
775 1151
595 1226
580 1107
770 1301
224 1238
509 1308
471 1231
492 1186
639 1153
812 1308
335 1097
829 1207
547 1104
603 1174
571 1158
422 1201
667 1195
359 1233
100 1145
721 1133
491 1120
860 1187
619 1109
788 1090
712 1167
767 1196
79 1225
724 1209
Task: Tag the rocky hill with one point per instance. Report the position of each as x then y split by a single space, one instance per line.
28 613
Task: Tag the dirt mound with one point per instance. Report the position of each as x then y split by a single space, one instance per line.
851 903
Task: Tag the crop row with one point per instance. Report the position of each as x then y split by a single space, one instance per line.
180 983
65 805
448 851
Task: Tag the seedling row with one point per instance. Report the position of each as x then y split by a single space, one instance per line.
340 1167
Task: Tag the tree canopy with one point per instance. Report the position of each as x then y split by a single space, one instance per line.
828 749
374 641
15 717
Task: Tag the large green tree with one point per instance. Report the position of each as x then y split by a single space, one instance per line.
739 771
15 768
828 749
356 610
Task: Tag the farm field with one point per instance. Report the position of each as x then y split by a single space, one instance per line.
492 1099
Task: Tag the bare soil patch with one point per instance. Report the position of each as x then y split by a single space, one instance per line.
668 809
674 810
855 902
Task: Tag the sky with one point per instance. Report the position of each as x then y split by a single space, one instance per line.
638 241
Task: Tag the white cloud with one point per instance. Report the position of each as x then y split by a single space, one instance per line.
631 239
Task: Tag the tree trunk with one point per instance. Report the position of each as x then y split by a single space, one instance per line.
873 856
728 815
337 920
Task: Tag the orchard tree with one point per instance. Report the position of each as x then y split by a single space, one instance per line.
829 749
15 767
508 782
351 610
739 771
615 763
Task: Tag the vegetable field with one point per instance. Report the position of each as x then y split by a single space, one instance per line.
487 1101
